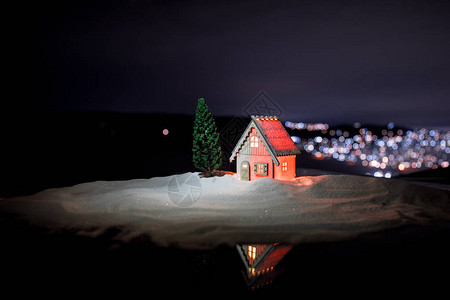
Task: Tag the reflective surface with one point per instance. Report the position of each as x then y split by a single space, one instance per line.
261 262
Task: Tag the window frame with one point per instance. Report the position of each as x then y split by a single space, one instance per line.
264 166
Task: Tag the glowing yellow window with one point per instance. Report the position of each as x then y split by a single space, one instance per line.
284 166
252 252
254 142
260 168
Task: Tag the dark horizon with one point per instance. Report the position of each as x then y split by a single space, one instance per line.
318 61
245 117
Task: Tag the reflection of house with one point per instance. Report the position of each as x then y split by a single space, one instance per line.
260 261
265 149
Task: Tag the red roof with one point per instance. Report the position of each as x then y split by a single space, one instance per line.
274 257
277 136
272 134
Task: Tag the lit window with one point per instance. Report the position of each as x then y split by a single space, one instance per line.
260 168
254 141
252 252
284 166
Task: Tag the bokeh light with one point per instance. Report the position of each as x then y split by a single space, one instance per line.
388 151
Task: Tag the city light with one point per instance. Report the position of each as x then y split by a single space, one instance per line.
388 152
307 126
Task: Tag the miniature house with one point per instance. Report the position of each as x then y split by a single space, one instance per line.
265 149
260 261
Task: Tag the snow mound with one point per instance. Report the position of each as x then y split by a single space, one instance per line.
193 212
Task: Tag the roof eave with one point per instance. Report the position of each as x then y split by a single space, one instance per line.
264 139
240 142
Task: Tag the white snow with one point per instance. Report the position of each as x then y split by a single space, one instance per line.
192 212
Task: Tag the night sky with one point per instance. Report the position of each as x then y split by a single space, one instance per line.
324 61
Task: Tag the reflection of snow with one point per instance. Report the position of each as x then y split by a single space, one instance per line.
226 210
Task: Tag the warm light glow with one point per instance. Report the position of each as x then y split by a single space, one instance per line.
261 168
401 167
284 166
374 164
254 142
165 131
252 252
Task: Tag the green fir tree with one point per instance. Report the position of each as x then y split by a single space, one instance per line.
207 153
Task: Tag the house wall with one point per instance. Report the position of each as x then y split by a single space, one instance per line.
259 249
254 155
246 146
290 173
261 155
252 159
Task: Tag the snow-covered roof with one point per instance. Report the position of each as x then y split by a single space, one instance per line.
273 135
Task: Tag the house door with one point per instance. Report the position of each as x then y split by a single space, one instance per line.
245 171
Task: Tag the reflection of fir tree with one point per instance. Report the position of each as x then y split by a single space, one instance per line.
207 153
